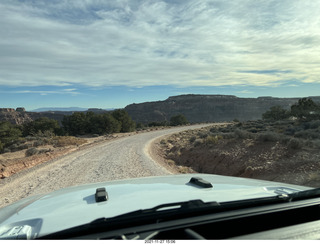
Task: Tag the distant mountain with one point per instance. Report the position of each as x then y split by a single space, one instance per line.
70 109
208 108
59 109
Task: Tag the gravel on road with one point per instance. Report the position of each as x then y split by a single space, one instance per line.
122 158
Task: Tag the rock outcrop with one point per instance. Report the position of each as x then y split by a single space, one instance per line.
18 116
207 108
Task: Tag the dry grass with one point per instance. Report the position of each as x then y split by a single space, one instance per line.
63 141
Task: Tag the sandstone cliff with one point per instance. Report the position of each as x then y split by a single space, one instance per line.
207 108
18 116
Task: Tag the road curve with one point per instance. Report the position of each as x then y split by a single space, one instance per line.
122 158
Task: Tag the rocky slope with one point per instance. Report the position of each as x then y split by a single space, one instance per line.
207 108
256 150
15 116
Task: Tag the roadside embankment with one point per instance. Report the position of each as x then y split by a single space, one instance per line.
283 151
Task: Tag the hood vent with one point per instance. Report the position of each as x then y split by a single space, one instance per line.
200 182
101 195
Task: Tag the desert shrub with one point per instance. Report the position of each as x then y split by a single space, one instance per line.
41 125
14 147
295 143
198 142
308 134
192 139
31 151
6 150
179 119
316 144
315 124
242 134
281 123
9 134
306 110
38 143
253 130
184 169
228 135
305 125
44 150
80 123
23 146
126 122
276 113
285 139
202 134
43 134
30 138
170 162
62 141
268 136
309 143
211 140
260 126
171 155
17 147
226 129
140 126
290 131
163 142
157 123
213 130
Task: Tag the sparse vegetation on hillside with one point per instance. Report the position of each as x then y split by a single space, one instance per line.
285 151
42 130
13 137
306 109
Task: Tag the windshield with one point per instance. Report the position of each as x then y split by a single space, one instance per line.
101 91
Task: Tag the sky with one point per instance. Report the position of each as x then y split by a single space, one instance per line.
108 54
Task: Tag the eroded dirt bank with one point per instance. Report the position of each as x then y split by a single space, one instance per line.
253 150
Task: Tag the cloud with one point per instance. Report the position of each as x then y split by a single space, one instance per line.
47 92
245 92
144 43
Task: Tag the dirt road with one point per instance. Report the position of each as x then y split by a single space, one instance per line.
126 157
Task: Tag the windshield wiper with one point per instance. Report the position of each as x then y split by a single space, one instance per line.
159 213
176 210
300 195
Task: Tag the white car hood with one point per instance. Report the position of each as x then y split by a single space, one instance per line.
41 215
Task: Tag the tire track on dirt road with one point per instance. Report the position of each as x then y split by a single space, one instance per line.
122 158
